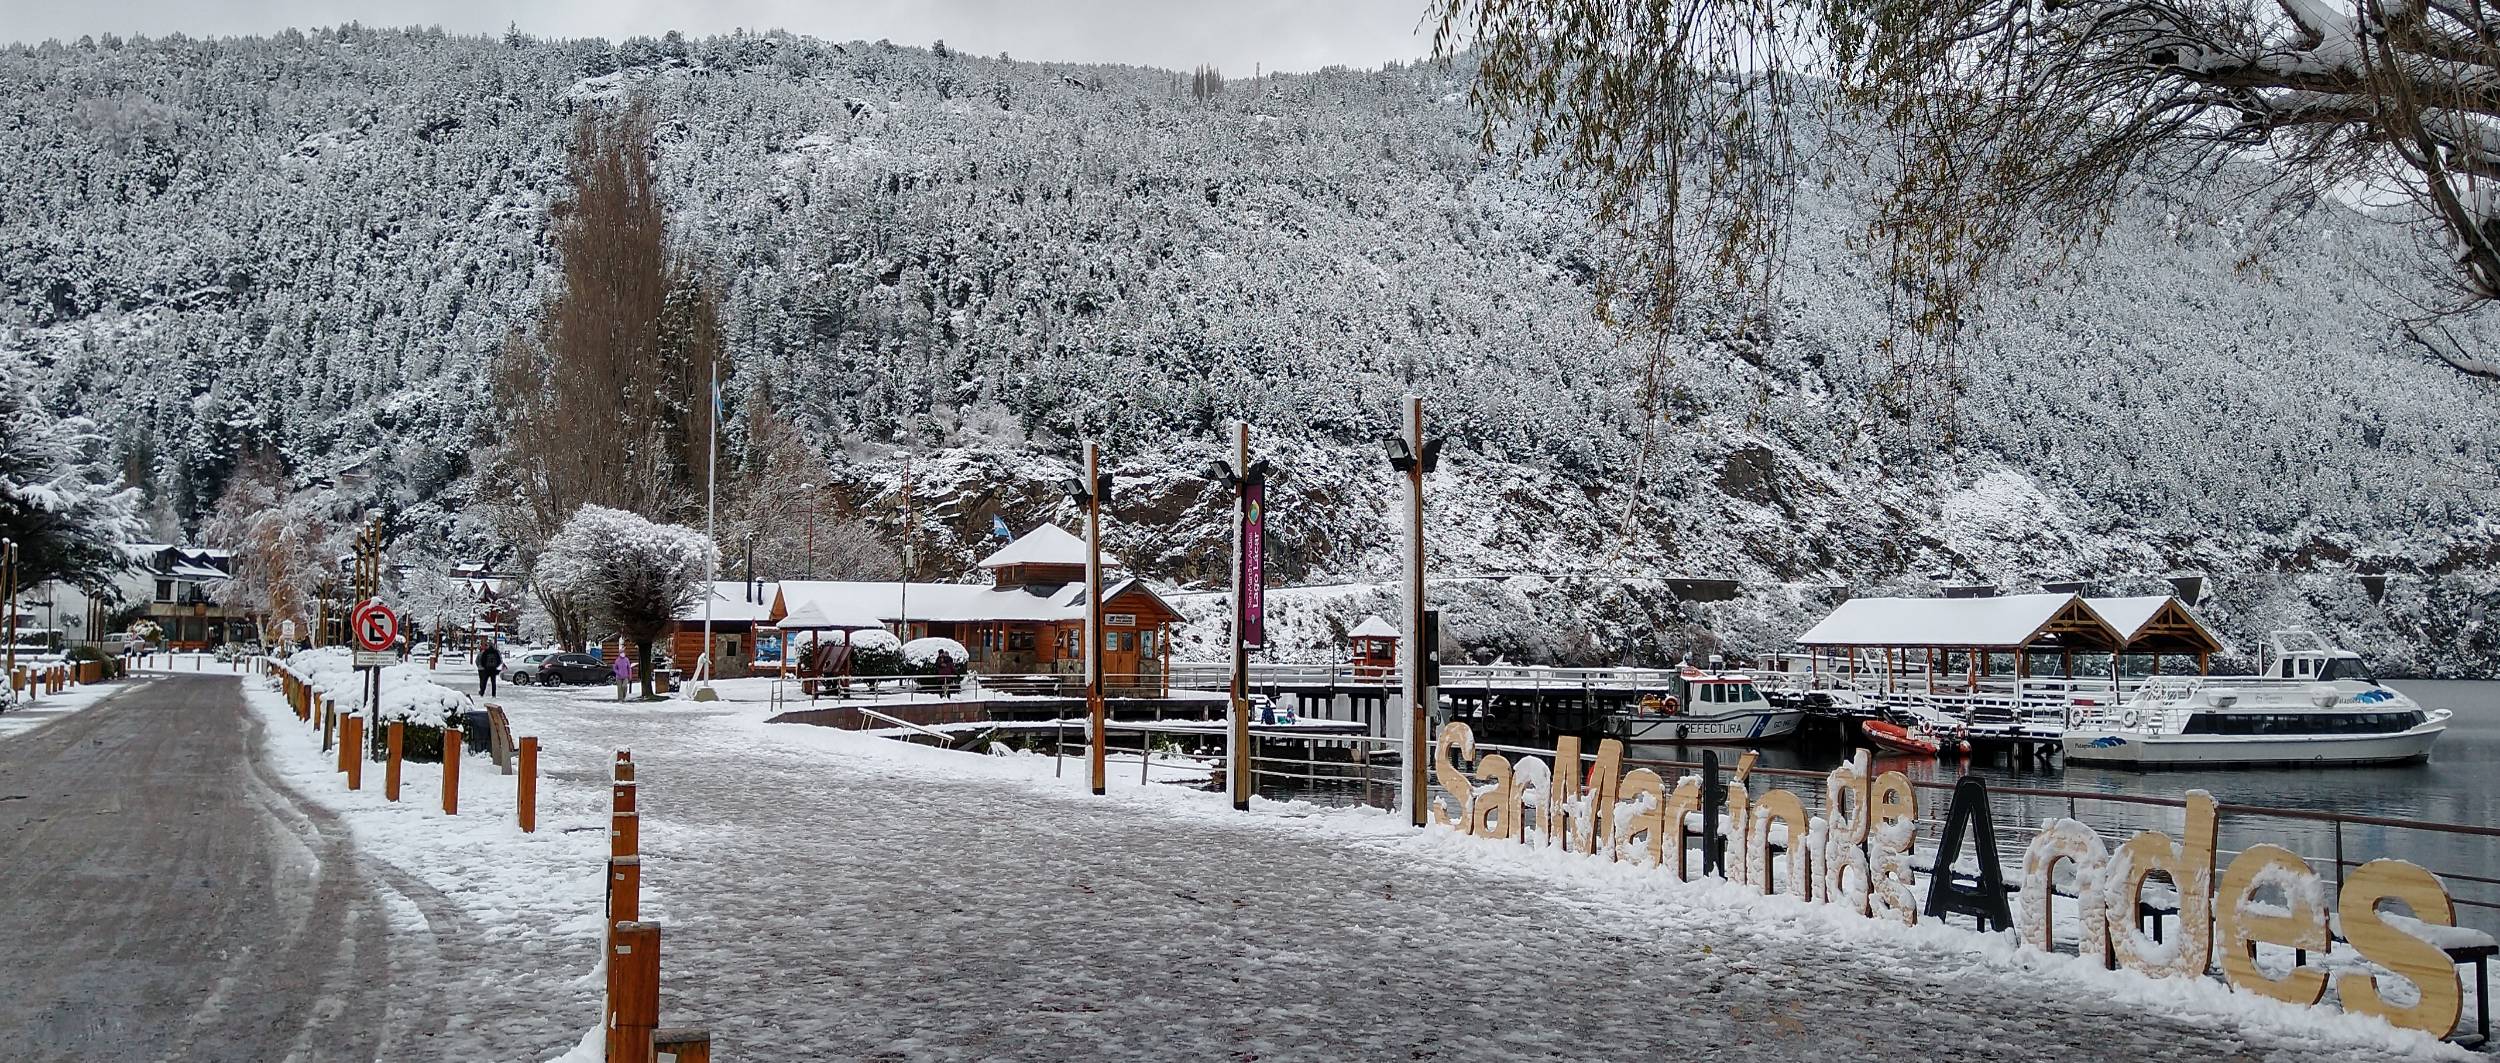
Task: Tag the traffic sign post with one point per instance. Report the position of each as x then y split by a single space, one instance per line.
373 628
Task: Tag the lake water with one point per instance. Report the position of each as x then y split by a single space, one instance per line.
2459 784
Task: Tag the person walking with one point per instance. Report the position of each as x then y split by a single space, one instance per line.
489 667
624 675
946 673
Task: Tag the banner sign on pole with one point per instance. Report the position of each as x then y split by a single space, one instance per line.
1254 563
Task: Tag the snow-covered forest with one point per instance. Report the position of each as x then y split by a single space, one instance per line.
950 269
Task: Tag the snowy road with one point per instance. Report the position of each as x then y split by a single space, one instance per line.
826 900
163 896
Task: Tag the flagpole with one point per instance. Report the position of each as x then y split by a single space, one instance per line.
711 494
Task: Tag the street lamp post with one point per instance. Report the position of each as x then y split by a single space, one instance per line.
1240 475
1411 455
1088 494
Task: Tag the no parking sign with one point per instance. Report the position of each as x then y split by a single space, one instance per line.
375 628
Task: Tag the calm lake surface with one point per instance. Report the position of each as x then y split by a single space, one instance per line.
2460 785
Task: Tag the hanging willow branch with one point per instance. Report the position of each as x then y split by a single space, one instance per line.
2002 125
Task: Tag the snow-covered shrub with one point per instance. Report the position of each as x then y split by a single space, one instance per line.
922 654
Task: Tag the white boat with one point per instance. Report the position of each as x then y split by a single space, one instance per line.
1708 708
2314 705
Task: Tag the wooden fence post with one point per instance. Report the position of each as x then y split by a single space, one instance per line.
347 737
624 889
633 991
390 771
451 771
529 785
681 1046
329 721
352 748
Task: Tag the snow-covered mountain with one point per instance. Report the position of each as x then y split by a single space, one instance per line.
953 268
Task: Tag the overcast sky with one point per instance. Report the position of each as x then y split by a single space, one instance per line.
1233 34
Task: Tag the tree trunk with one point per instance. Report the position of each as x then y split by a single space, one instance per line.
642 653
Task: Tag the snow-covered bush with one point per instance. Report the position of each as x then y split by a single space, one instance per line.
922 654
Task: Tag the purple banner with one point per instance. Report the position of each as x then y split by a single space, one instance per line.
1254 564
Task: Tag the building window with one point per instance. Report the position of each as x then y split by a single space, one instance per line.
164 590
1020 640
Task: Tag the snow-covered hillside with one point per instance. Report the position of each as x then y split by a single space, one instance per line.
954 268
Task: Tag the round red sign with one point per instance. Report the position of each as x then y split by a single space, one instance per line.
375 625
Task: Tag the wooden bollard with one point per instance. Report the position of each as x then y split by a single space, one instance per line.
353 746
633 991
529 786
624 889
451 771
624 834
329 721
347 738
681 1046
392 737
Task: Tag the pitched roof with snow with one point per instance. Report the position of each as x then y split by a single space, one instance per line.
1047 544
2156 623
1373 627
2007 622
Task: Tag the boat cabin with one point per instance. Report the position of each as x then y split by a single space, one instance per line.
2303 655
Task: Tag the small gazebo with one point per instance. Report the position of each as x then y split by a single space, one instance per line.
1375 646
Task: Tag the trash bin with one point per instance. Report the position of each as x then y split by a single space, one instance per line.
664 681
477 731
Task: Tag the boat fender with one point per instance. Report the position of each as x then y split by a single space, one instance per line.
2127 719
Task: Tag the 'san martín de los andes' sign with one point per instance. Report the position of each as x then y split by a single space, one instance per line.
1859 857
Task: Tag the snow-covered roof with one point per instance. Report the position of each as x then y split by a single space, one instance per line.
1048 544
732 601
945 603
2128 616
1373 627
2162 622
2005 622
811 616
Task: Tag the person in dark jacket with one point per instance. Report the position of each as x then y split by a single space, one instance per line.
489 667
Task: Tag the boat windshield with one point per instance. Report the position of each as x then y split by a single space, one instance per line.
2344 668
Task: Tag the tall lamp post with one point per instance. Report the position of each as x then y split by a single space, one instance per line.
1088 494
809 490
1247 480
1411 455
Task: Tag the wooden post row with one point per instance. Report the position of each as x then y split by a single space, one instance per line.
451 771
390 771
529 786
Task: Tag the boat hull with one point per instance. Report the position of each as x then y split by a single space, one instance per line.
2135 749
1734 728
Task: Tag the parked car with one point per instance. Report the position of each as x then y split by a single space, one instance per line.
564 668
422 649
521 666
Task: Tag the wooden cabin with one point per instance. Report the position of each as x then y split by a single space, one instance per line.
1959 642
1028 619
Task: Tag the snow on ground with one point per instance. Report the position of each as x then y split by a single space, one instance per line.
830 895
529 905
26 715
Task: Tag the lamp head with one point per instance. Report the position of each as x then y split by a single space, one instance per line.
1401 456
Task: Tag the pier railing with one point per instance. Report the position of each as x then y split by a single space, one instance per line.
1530 678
